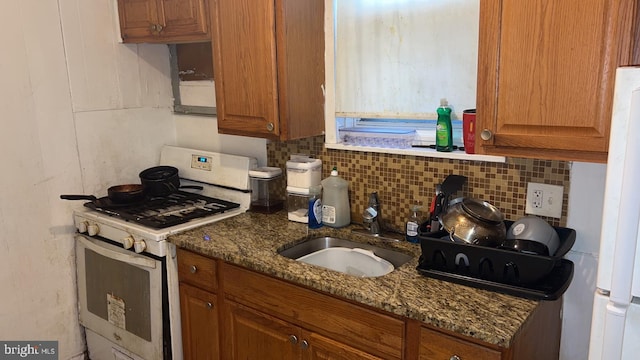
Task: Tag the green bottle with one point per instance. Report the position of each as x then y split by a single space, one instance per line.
444 133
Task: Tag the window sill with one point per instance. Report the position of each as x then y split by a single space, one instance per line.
424 152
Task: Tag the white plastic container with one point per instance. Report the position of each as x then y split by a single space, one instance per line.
335 201
298 204
264 189
303 172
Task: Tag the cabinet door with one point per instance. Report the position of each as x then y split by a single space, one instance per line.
546 75
184 19
250 334
269 67
137 18
199 323
437 346
318 347
164 21
244 52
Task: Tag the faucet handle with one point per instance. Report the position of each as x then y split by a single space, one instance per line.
369 213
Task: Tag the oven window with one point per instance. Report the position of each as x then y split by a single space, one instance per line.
119 293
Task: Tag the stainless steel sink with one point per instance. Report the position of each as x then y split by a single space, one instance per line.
314 245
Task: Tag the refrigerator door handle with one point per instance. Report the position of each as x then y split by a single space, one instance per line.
614 330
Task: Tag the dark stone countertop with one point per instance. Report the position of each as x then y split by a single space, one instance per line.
252 240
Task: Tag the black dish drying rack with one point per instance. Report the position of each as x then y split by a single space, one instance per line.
526 275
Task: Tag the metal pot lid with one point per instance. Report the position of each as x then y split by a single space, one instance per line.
482 210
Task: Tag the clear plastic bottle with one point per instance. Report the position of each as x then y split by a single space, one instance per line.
315 207
444 132
335 201
413 222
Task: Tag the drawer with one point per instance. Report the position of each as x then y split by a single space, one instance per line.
438 346
197 270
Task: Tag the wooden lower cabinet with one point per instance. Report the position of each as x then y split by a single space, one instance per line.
229 312
436 346
251 334
200 324
323 348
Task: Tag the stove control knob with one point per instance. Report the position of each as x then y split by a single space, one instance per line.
139 246
93 229
82 226
128 242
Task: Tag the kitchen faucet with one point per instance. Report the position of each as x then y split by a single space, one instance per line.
371 215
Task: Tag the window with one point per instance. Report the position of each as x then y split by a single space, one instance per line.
395 60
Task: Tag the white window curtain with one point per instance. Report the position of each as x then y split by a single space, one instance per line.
398 58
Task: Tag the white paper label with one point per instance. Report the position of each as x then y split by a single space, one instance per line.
328 214
115 311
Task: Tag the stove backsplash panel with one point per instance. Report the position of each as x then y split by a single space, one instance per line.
399 179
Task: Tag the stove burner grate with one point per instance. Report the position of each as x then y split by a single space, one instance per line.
174 209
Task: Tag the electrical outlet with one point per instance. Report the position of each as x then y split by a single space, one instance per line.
544 200
536 201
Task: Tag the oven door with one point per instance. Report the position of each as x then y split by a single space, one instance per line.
120 296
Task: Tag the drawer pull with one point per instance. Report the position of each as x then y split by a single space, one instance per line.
209 306
455 357
293 339
304 345
193 269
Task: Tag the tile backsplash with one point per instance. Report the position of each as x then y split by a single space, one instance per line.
399 179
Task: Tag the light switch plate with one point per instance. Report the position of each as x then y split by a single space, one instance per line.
544 200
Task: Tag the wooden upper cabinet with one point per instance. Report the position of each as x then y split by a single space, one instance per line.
546 74
164 21
269 67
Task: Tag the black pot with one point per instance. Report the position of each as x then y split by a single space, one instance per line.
162 181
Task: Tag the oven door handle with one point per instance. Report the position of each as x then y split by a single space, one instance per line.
126 257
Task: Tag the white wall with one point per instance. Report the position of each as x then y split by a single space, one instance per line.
586 198
201 132
80 112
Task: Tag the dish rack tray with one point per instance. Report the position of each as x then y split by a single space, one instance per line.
487 264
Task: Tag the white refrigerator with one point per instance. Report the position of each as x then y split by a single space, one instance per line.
615 323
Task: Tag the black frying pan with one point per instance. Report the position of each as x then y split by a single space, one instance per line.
119 195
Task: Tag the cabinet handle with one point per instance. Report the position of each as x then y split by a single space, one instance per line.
193 269
209 306
293 339
454 357
270 126
304 345
156 28
486 134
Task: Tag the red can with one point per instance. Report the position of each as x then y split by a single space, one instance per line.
469 130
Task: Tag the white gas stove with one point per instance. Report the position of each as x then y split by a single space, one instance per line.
127 271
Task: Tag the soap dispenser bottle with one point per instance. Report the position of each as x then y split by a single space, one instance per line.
413 222
444 132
